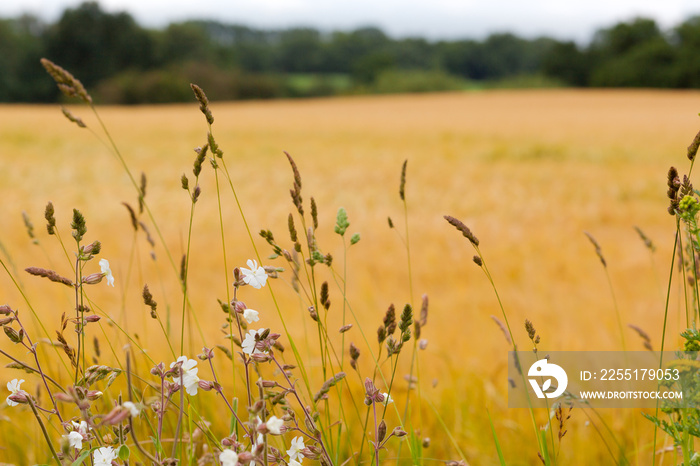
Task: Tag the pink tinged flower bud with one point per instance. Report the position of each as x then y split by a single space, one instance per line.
5 310
116 416
205 385
261 357
93 318
227 442
245 457
6 320
21 397
93 279
92 395
63 397
239 307
399 432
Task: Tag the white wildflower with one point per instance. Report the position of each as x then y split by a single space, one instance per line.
13 387
75 440
134 409
251 315
106 271
104 456
189 378
274 425
228 458
387 399
248 344
80 427
255 276
294 451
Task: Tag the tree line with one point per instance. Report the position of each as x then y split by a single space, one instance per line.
122 62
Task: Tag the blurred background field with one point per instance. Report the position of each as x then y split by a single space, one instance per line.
527 170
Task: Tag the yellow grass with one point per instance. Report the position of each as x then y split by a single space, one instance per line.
527 171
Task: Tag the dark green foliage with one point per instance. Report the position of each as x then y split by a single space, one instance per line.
122 62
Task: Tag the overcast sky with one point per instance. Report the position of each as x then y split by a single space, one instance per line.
434 19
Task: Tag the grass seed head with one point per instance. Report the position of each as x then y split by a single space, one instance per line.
402 185
67 113
50 218
693 147
203 102
66 82
78 225
466 232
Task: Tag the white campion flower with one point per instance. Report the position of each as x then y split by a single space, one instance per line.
387 399
75 440
106 271
104 456
294 463
251 315
294 451
80 427
134 410
248 344
228 458
274 425
189 378
255 276
13 387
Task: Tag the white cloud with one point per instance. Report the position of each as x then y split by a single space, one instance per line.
574 19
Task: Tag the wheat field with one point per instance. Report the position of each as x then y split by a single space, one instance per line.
527 171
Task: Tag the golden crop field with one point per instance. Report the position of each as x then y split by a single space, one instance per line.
528 171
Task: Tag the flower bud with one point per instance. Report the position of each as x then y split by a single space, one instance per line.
399 432
381 431
239 307
205 385
116 416
20 397
6 320
5 310
93 278
261 357
92 318
206 354
245 457
92 395
257 407
63 397
13 335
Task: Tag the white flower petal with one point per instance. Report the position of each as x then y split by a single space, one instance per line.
228 458
251 315
75 440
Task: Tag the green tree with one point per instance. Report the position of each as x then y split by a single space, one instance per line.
94 44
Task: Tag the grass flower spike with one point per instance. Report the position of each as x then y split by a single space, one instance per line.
104 456
228 458
106 271
189 378
255 276
13 387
